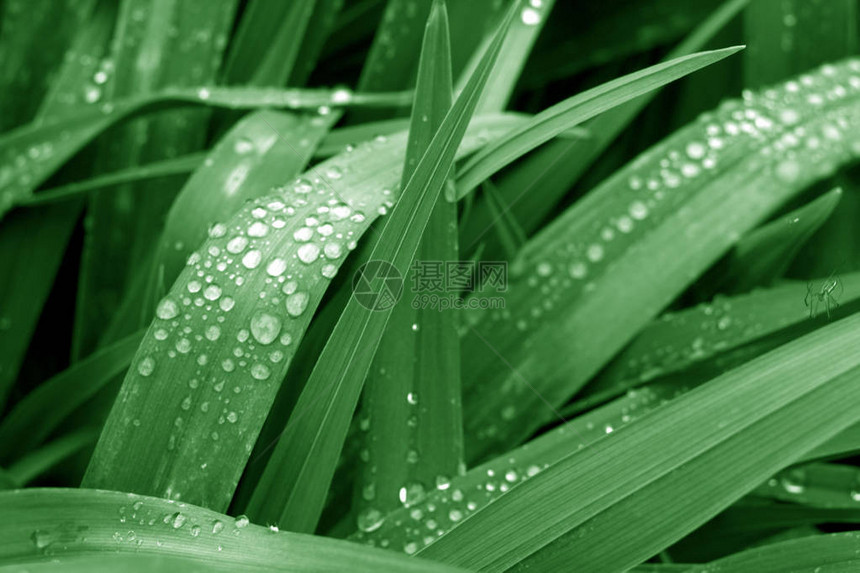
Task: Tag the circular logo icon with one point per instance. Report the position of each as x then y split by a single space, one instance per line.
377 285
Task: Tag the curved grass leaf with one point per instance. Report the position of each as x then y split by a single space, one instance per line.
765 254
660 226
41 411
34 35
677 340
569 113
534 186
47 146
267 43
41 525
826 486
834 552
190 376
409 527
293 487
674 471
411 400
41 460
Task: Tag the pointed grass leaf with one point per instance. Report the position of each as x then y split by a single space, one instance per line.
293 487
411 400
289 254
574 110
674 469
40 412
45 147
41 525
723 175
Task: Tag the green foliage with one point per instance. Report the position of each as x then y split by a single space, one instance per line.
662 379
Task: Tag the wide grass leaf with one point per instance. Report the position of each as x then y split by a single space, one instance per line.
41 525
293 487
709 183
674 469
286 246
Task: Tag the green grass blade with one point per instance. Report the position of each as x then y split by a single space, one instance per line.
411 401
448 504
682 339
38 237
535 185
47 524
721 184
793 399
266 46
293 487
766 253
820 485
833 552
32 242
515 52
573 111
34 36
123 225
41 460
45 149
155 170
357 179
41 411
390 64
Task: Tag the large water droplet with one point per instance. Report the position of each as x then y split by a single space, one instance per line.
167 309
265 327
296 303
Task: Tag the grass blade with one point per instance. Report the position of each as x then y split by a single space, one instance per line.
267 43
766 253
573 111
124 449
833 552
411 400
293 487
793 398
84 127
535 186
46 524
717 169
41 411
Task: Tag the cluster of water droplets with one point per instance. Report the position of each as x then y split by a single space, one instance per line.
429 512
145 526
789 135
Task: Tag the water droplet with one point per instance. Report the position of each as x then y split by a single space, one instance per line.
260 371
265 327
276 267
212 292
167 309
242 521
411 494
237 244
296 303
370 519
226 303
308 253
258 229
177 520
252 259
530 16
146 366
